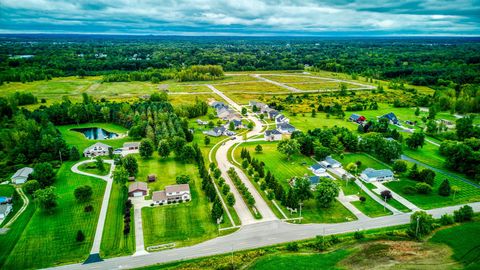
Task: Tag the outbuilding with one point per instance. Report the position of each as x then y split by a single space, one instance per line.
137 189
21 175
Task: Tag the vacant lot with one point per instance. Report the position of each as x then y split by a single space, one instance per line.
46 233
305 122
257 87
322 85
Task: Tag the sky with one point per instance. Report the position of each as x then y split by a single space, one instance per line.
243 17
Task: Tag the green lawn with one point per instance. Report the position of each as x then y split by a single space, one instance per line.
185 223
114 242
305 123
466 248
366 160
46 233
74 138
301 261
6 190
91 167
370 207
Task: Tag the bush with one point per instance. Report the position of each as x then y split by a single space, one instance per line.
182 179
80 236
400 166
447 219
444 189
88 208
31 186
409 190
362 199
292 247
423 188
334 239
386 194
358 235
465 213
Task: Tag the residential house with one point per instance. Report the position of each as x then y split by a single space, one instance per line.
131 145
281 119
272 135
372 175
391 117
97 149
329 162
215 132
315 179
201 122
317 168
5 200
237 124
21 175
223 113
5 209
357 118
273 114
261 107
173 193
285 128
217 105
137 189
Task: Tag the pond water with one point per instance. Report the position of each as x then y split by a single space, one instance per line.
96 133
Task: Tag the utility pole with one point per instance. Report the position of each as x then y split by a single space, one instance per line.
300 204
60 153
416 231
385 204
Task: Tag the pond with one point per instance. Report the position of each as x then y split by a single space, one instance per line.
96 133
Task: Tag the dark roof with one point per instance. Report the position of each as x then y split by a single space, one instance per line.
219 129
273 113
286 126
390 116
316 166
314 179
272 132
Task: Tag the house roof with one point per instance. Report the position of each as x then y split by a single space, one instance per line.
372 173
159 195
331 161
177 188
272 132
219 129
97 146
137 186
280 118
390 116
237 122
23 172
354 116
316 166
273 113
285 126
4 208
131 144
315 179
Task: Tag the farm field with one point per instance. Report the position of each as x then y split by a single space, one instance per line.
257 87
57 231
114 242
74 138
184 224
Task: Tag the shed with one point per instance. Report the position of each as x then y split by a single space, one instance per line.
21 175
137 189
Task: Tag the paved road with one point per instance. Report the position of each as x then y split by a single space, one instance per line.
254 236
293 89
380 187
106 197
407 158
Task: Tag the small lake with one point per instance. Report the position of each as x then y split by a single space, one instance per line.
96 133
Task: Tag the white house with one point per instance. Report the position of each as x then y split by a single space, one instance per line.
98 149
329 162
317 168
131 146
5 209
173 193
372 175
285 128
21 175
272 135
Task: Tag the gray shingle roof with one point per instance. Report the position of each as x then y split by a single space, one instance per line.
272 132
23 172
372 173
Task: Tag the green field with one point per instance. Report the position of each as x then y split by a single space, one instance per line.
250 87
46 233
301 261
6 190
366 160
321 85
114 242
292 79
74 138
91 167
185 223
306 122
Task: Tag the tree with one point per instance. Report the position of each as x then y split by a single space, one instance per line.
258 148
83 193
465 213
146 148
421 224
444 189
44 174
80 236
455 190
288 147
417 139
47 199
414 173
231 125
74 154
217 210
427 176
417 111
321 152
230 199
326 192
386 194
464 127
206 140
120 175
244 111
250 126
225 189
400 166
187 154
99 164
130 164
163 149
314 113
352 168
183 179
302 189
31 186
423 188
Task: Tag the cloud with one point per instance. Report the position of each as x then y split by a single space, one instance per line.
246 17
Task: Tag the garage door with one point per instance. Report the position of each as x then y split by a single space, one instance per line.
138 194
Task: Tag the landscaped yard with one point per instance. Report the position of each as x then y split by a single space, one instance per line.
74 138
91 167
50 239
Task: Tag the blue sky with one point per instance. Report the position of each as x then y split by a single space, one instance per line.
242 17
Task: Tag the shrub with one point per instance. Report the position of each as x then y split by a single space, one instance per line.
80 236
465 213
358 235
292 246
444 189
400 166
88 208
334 239
423 188
447 219
182 179
362 199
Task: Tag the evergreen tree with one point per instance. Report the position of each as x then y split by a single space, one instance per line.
444 189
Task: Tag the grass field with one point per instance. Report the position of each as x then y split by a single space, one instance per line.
185 223
74 138
92 168
301 261
46 233
466 249
114 242
187 88
287 78
366 160
250 87
6 190
307 122
321 85
179 99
